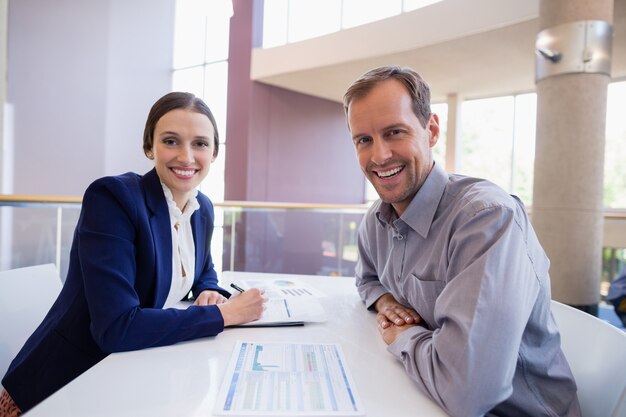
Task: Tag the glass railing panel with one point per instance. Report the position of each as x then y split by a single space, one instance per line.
295 239
252 237
34 234
290 241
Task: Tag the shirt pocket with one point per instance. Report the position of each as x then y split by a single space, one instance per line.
422 292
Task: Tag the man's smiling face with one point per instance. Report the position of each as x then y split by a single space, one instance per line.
392 146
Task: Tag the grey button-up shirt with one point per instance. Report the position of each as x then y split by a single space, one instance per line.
466 258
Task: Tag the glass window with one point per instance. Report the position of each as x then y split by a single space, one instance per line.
487 139
613 264
370 192
217 31
439 151
190 80
615 147
189 33
408 5
359 12
295 20
201 32
213 184
275 14
524 147
216 92
311 18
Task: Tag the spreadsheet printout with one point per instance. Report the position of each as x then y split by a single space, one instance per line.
288 379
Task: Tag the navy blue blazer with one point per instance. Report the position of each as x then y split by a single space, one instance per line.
119 276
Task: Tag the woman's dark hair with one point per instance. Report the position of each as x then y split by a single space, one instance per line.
173 101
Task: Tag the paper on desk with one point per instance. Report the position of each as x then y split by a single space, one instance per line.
283 311
283 288
288 379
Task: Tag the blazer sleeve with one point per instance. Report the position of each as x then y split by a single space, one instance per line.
113 224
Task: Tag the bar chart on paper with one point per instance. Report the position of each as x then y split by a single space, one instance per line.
284 288
288 379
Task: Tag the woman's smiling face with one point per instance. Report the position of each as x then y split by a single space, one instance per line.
183 151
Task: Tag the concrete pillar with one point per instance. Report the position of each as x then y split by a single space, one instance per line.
569 161
453 132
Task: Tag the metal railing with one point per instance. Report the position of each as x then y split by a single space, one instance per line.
249 236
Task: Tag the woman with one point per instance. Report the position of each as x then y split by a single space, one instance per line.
142 243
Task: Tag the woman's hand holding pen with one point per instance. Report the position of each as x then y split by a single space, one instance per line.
245 307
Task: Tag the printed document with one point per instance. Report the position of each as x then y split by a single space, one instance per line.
283 288
284 312
288 379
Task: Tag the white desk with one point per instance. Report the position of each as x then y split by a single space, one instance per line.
184 379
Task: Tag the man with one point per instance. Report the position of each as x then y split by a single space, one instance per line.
452 266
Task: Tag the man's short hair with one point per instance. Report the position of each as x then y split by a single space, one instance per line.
413 82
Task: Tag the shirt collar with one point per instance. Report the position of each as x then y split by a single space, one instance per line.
191 206
421 211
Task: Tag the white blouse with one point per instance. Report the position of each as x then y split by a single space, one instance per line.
183 247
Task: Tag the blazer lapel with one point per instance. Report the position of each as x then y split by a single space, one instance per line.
161 234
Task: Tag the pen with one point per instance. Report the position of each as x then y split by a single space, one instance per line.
237 287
